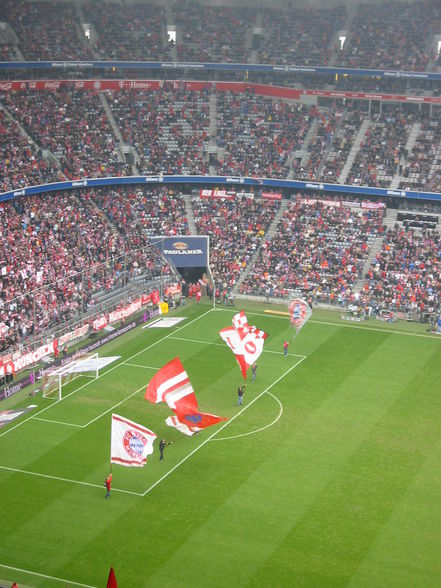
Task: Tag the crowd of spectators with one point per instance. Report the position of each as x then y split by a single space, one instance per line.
128 32
21 162
7 52
236 229
378 159
325 123
167 127
72 125
62 251
319 249
342 143
258 135
392 35
405 275
213 33
421 167
298 35
46 31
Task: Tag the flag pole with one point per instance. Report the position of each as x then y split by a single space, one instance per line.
111 422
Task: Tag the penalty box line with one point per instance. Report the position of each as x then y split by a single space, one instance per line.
234 417
34 416
66 582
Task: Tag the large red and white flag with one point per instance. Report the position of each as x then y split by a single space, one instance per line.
299 313
130 443
172 385
191 423
244 340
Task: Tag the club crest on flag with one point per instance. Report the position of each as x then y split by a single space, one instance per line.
131 443
299 313
134 443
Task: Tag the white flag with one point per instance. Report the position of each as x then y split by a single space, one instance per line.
130 443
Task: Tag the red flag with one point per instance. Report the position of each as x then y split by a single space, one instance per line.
172 385
198 420
111 582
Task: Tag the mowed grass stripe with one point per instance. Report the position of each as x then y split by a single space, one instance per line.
410 542
411 451
372 468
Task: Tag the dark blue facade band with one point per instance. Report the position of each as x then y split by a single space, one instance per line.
260 183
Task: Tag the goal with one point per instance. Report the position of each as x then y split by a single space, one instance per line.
54 379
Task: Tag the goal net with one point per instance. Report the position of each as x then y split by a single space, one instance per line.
54 379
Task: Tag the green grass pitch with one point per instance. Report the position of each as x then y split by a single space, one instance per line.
328 475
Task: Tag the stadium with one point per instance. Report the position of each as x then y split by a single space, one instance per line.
221 264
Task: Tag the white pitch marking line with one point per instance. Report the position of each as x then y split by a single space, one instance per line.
144 367
60 479
346 326
226 346
66 582
58 422
261 428
222 427
104 374
115 406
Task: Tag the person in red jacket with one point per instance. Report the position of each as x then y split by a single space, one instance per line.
108 484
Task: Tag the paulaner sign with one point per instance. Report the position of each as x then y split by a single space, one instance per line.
184 251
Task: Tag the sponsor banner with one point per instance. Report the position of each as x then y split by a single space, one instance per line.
99 323
21 361
344 203
217 194
97 85
184 251
173 290
249 195
373 205
271 196
6 416
77 334
373 96
123 313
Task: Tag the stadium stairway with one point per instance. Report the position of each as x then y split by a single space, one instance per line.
171 22
123 149
354 150
389 220
303 153
411 140
269 235
212 130
329 152
190 215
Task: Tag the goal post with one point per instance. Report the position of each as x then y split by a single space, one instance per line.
54 379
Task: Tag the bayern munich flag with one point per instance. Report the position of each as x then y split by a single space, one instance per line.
130 443
299 313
